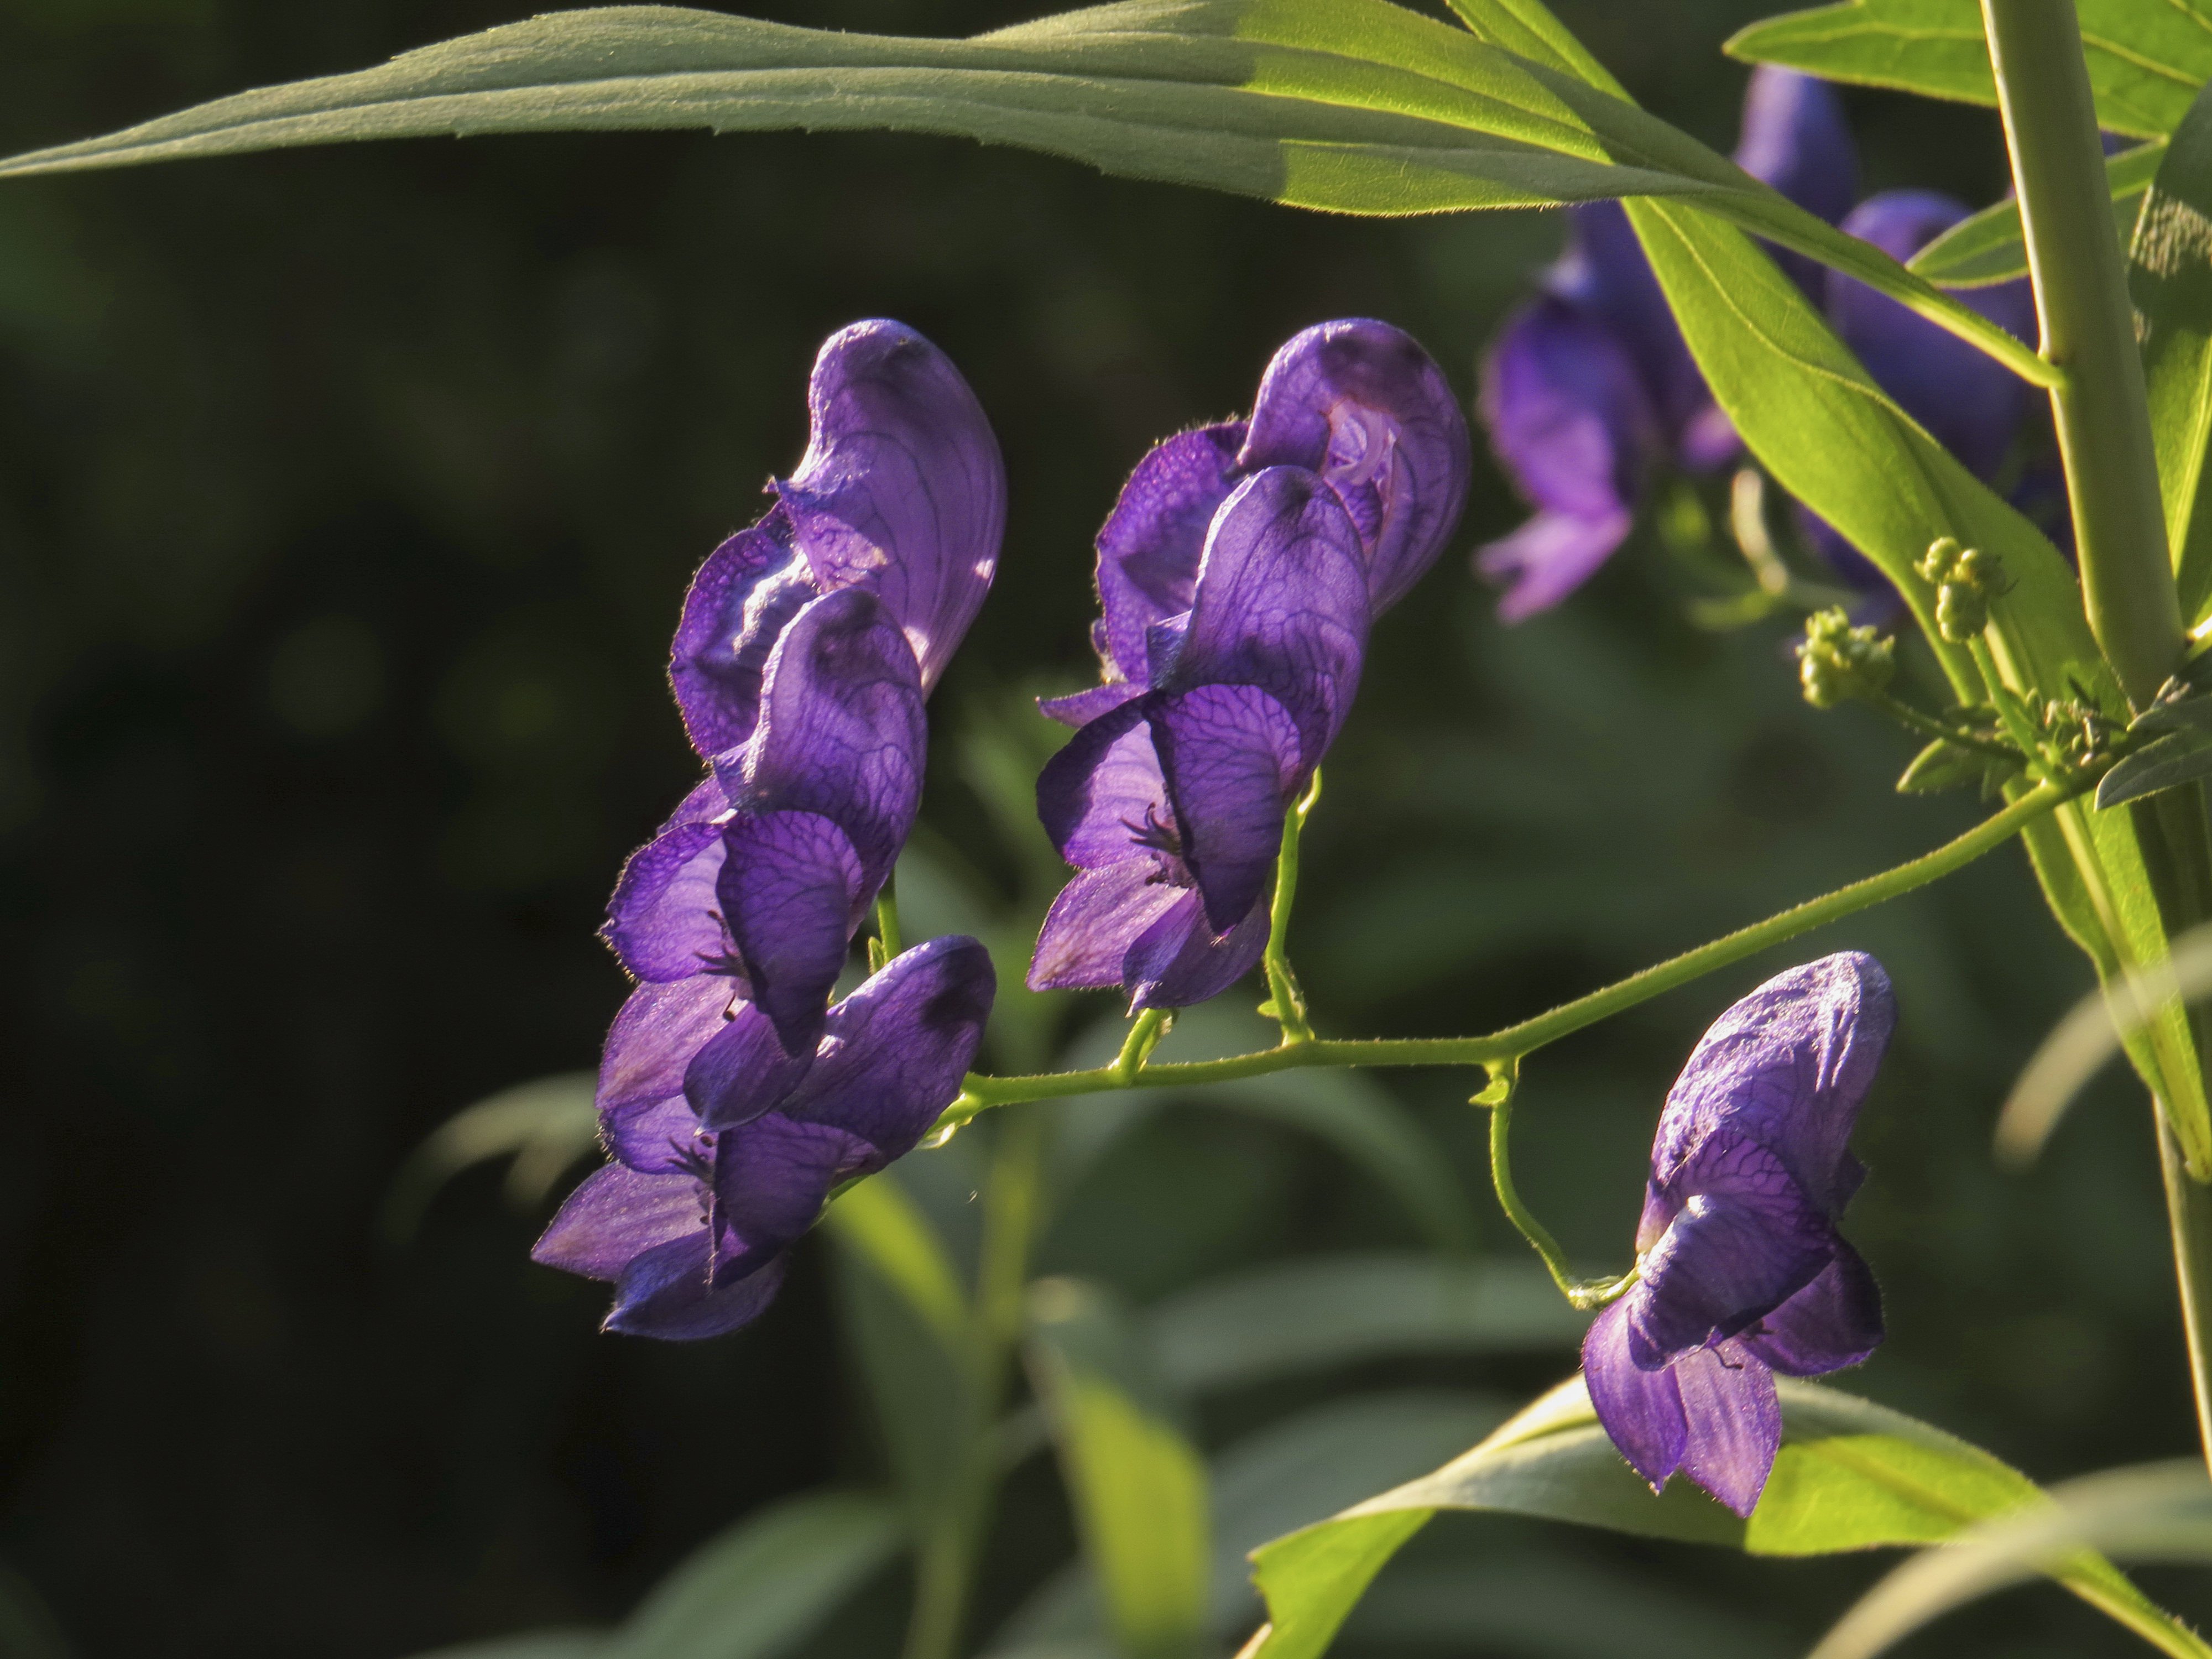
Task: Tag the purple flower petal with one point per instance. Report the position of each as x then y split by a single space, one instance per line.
1789 1067
643 1117
1734 1422
772 1177
1361 404
901 489
1834 1322
1567 411
791 890
842 733
1088 930
1640 1410
1795 137
1281 605
1103 789
740 602
1230 757
661 922
1968 402
1179 961
741 1071
1548 558
1150 546
896 1050
618 1214
1082 707
1746 1239
666 1293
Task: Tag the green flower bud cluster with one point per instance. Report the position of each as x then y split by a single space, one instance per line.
2077 737
1839 662
1967 580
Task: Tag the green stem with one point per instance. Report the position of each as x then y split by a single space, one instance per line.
1584 1293
1514 1042
2189 1210
1928 727
1286 1003
887 919
1144 1034
2089 330
944 1571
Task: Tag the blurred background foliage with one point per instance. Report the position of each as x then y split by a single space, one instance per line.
346 498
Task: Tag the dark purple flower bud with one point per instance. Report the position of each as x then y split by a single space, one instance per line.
1741 1273
1171 805
901 491
1358 403
696 1243
770 866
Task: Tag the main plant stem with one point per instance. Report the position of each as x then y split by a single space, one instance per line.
944 1570
2102 419
2089 330
1530 1034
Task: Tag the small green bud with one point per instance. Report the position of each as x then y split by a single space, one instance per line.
1941 557
1962 611
1837 662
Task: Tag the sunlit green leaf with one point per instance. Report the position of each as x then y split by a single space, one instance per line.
1301 1316
2179 758
545 1126
1850 1475
1945 765
2146 61
767 1583
1987 247
2170 280
1138 1485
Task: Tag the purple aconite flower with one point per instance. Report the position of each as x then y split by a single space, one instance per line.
726 1149
769 868
1171 804
1741 1273
1357 401
901 491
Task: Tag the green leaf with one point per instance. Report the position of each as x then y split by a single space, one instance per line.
2170 280
538 1644
2178 759
1139 1487
2160 1512
1945 765
1987 247
1850 1475
2146 62
766 1584
545 1127
1296 1316
1352 106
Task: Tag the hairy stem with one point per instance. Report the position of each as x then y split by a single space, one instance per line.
982 1093
1584 1293
2089 330
1286 1003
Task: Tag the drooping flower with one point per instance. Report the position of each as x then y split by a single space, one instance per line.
1171 803
1741 1271
1356 401
901 491
1590 390
724 1149
806 648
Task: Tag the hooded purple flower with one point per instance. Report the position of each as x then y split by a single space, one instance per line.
901 491
1171 804
1358 403
806 646
1590 388
1741 1273
726 1149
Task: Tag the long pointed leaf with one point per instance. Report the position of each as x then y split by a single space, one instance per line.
2169 279
1987 247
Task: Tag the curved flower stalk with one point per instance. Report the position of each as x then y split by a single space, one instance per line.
1740 1270
1171 803
724 1149
1356 401
806 648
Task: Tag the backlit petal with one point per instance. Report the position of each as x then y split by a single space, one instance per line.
1641 1411
790 892
1735 1423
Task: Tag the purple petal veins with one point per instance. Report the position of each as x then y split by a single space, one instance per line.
1741 1272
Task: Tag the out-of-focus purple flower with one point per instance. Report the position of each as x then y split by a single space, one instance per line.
1357 401
901 491
1171 803
1741 1271
726 1149
1590 388
1967 402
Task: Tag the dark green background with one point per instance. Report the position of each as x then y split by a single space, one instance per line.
346 498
